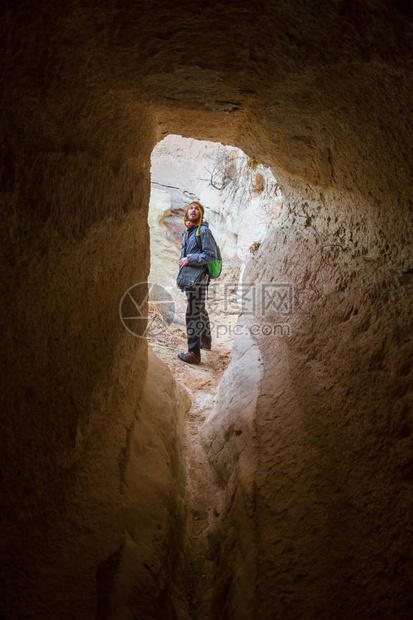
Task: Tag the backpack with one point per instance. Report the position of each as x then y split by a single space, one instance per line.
215 267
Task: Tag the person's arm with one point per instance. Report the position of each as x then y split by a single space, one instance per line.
209 249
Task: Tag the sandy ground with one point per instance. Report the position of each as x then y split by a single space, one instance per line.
204 495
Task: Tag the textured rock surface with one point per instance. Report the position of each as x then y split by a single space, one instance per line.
144 578
321 92
228 439
72 383
165 248
332 444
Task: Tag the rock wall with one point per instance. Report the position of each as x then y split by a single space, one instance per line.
144 577
333 425
331 449
228 438
320 93
165 247
75 190
72 380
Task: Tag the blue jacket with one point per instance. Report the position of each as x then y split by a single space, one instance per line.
201 251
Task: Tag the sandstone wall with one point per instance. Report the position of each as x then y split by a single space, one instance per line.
228 437
331 492
333 427
322 94
144 577
165 247
74 202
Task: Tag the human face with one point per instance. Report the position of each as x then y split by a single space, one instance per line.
193 213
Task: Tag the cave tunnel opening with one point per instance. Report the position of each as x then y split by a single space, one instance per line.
311 439
242 201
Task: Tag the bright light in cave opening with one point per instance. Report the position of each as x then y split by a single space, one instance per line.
242 200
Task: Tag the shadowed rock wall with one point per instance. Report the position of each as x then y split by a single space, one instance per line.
322 94
144 577
329 504
75 191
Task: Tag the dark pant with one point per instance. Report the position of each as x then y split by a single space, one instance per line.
198 329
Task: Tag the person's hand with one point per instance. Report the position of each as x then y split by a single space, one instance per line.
183 261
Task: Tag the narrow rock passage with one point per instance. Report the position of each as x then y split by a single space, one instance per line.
204 499
204 495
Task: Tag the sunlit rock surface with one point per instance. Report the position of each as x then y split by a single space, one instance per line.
165 247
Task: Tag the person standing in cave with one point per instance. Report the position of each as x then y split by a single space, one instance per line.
198 250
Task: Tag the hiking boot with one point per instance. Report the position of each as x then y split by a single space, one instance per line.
189 358
206 346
